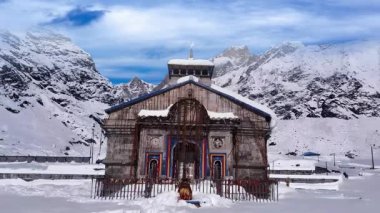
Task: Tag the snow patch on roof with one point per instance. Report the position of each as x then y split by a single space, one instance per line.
221 115
190 61
165 112
187 78
154 113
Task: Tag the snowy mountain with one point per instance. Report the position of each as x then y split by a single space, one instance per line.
132 89
51 95
327 96
340 81
231 59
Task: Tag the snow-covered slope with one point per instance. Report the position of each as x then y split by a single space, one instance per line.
51 95
326 136
341 80
328 96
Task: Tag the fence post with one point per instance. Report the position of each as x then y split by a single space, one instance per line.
277 190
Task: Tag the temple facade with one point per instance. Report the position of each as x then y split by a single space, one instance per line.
190 128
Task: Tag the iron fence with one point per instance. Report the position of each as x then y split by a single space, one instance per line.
234 189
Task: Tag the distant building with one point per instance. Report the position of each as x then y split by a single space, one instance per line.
189 128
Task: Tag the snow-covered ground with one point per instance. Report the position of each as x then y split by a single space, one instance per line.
52 168
21 133
293 164
326 136
359 193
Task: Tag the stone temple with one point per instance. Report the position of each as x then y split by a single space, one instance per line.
190 128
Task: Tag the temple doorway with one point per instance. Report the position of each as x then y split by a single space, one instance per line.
186 161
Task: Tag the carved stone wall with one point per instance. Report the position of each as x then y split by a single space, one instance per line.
152 141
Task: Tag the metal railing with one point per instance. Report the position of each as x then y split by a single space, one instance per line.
234 189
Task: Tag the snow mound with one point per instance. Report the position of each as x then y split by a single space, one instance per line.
168 201
212 200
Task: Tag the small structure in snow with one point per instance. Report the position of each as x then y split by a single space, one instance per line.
184 190
298 166
291 153
310 154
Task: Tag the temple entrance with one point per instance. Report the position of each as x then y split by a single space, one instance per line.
186 161
190 127
153 169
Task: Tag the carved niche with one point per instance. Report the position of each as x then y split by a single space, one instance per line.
217 142
154 141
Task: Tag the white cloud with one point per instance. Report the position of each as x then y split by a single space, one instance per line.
125 34
23 15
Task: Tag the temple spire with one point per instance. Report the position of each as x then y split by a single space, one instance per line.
191 55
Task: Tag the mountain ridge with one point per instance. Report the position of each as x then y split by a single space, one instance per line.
53 85
50 85
297 80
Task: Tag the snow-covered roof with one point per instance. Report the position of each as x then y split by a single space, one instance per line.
190 61
248 102
252 105
165 112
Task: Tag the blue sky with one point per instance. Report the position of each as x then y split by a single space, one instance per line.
137 38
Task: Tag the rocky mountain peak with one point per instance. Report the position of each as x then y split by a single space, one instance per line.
236 52
49 84
282 50
8 38
136 81
134 88
50 61
288 46
232 57
47 35
332 80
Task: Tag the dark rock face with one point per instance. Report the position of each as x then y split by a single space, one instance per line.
12 110
311 81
